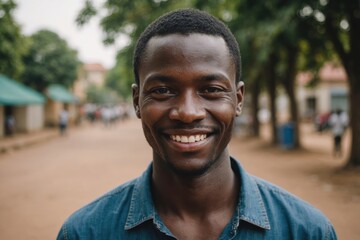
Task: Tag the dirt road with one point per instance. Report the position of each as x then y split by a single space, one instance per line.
43 184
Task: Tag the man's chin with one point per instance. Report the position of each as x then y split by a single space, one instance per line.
189 171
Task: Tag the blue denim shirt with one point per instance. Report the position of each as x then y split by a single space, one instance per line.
264 211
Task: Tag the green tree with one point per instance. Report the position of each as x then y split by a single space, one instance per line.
49 60
258 28
339 22
278 36
119 78
13 44
101 95
315 22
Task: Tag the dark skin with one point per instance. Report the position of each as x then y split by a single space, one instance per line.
187 99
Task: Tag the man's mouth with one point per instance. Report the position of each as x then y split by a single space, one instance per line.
188 139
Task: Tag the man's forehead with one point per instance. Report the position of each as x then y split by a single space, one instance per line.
177 52
194 44
191 39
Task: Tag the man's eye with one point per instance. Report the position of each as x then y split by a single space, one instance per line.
161 90
213 90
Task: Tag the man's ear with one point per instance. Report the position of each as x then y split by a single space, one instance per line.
135 93
240 90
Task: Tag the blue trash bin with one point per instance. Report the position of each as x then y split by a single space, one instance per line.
287 136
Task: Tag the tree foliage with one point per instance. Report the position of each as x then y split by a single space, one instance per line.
101 95
119 78
339 22
13 44
49 60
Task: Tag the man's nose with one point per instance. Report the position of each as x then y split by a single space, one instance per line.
188 108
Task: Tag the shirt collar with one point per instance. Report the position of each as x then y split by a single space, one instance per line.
250 208
141 205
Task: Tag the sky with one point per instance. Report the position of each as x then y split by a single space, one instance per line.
59 16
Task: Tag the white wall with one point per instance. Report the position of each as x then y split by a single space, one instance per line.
2 132
323 99
283 107
96 77
29 118
35 117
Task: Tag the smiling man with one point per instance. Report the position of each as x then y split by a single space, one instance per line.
187 93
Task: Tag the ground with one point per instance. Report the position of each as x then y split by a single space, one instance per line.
41 185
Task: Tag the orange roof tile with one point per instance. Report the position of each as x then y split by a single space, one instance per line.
332 72
94 67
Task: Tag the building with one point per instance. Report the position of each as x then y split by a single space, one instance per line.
90 74
329 94
58 98
21 108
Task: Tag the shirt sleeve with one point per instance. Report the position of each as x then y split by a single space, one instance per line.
62 234
331 234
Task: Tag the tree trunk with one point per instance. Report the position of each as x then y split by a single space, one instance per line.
255 92
294 112
271 83
354 100
354 157
353 72
289 84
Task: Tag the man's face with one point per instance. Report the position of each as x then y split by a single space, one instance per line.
187 100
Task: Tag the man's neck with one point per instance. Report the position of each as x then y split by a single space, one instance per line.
196 207
195 196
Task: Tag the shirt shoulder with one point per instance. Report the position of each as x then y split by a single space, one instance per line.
287 210
101 216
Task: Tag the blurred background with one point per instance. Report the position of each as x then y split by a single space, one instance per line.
71 61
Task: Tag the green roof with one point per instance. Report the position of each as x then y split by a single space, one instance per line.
15 93
59 93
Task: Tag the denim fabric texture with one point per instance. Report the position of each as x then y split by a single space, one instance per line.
264 211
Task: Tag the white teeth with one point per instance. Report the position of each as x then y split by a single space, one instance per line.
188 139
184 139
191 139
197 138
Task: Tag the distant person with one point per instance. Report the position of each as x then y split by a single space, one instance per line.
187 93
322 122
105 116
338 122
10 125
63 121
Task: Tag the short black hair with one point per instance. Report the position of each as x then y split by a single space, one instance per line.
187 21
